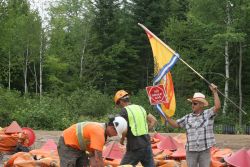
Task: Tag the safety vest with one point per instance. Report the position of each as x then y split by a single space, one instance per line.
137 118
79 133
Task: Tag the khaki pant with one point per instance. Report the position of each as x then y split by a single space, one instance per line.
71 157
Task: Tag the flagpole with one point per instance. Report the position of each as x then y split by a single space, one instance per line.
171 50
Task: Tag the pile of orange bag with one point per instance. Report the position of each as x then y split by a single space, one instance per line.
167 152
12 136
46 156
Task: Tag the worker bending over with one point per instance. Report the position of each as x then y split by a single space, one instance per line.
81 144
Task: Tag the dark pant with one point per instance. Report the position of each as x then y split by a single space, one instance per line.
143 155
70 157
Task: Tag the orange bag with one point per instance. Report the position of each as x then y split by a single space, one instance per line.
8 142
113 163
12 158
34 158
170 163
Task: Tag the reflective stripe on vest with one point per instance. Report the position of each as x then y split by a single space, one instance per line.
137 120
79 134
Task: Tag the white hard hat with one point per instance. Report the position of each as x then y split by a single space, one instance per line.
121 125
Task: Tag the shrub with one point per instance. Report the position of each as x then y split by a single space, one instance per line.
90 103
46 113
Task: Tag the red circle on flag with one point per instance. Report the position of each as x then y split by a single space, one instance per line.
156 94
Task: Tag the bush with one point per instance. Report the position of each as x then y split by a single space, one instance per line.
54 113
9 102
46 113
90 103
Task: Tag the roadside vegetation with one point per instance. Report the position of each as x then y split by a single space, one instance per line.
65 67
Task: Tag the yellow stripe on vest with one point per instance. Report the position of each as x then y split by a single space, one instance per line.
79 134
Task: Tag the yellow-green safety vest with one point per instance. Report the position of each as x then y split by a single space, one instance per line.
137 118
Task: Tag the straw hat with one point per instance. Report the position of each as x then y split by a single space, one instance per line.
199 97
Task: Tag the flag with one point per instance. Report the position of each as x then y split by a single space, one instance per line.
164 59
169 107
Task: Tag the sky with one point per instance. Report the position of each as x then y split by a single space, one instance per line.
42 6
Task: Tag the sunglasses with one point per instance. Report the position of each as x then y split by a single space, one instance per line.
195 103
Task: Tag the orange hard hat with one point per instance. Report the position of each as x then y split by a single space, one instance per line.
119 94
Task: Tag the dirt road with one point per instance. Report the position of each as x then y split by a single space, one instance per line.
235 142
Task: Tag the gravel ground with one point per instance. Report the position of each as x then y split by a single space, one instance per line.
235 142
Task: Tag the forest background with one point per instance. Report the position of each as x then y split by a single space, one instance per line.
66 67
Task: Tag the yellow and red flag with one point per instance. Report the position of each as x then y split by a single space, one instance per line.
169 107
164 59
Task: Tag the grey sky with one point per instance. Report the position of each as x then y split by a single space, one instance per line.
42 6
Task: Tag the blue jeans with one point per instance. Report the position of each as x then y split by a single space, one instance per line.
143 155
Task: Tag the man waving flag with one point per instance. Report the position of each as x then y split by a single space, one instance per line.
165 58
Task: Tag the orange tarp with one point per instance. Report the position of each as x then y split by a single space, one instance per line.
112 162
8 142
113 150
31 135
218 155
38 157
159 136
180 153
28 160
167 143
47 156
49 145
11 136
13 128
241 158
113 153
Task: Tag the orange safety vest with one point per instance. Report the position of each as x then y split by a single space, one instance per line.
78 136
79 133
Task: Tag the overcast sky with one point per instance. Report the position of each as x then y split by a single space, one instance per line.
42 6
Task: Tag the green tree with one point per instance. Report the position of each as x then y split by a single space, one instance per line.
19 45
154 15
69 39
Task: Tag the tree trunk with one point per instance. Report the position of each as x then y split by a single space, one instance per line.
9 77
228 22
227 78
81 70
26 69
240 91
35 76
83 52
40 67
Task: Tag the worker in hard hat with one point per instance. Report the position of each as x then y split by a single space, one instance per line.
81 144
138 140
